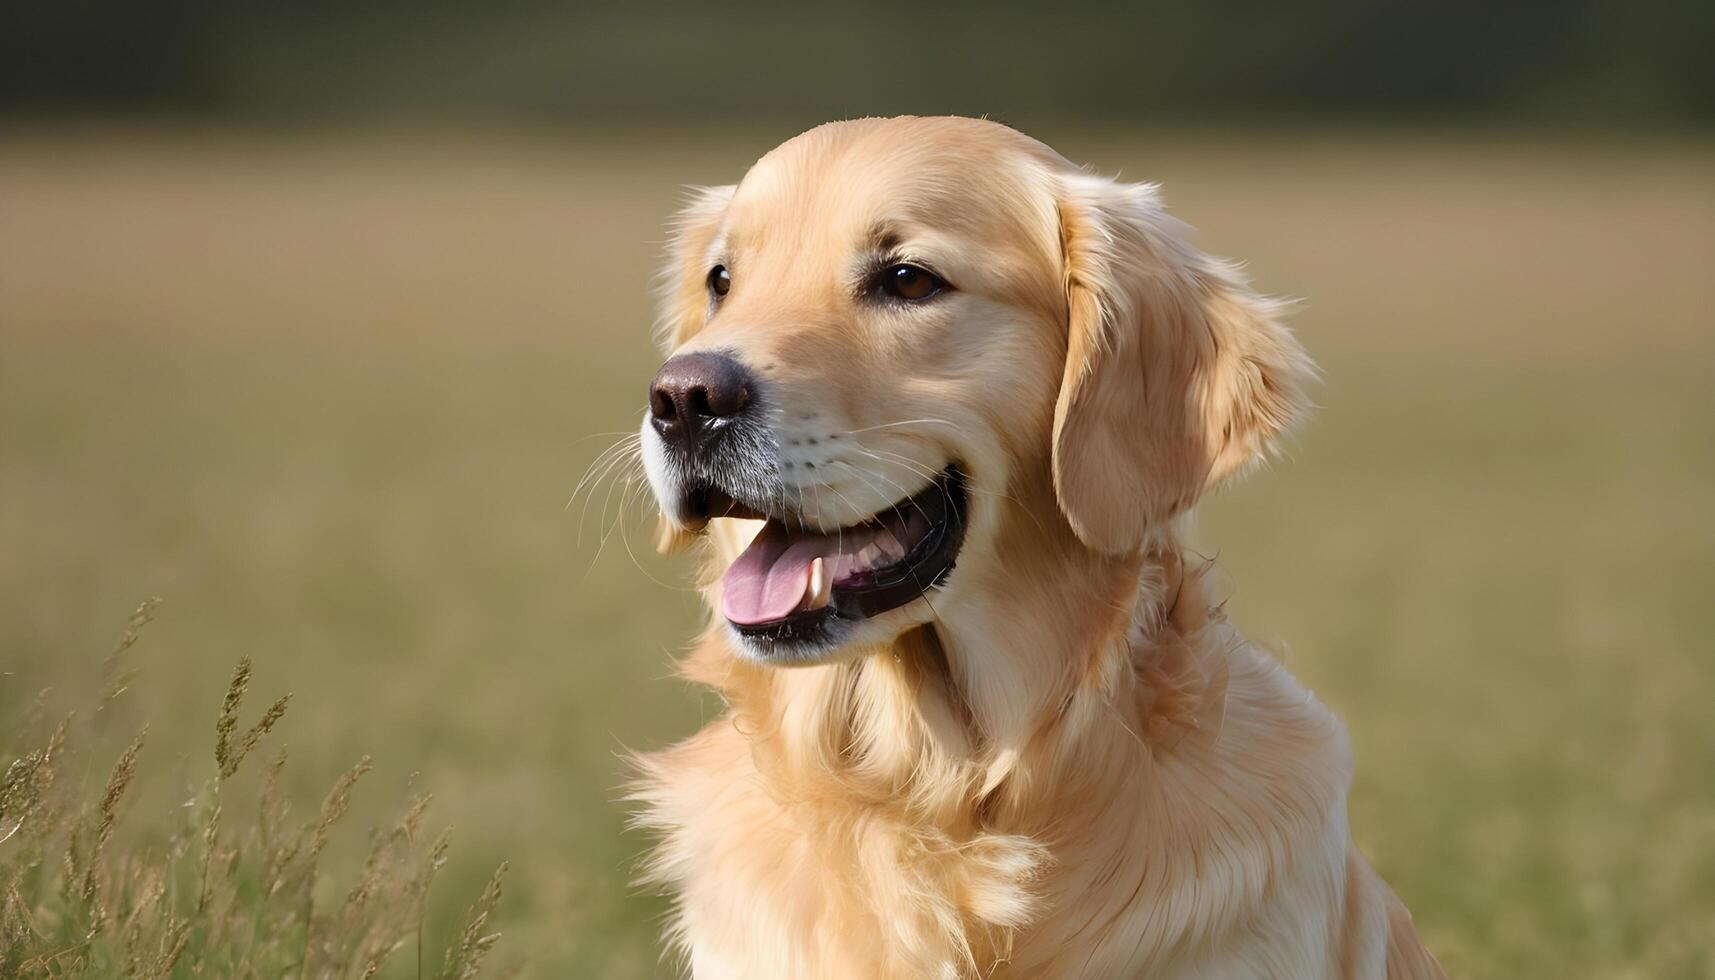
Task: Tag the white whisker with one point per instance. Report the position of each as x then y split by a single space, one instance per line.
901 423
620 458
630 442
905 496
922 470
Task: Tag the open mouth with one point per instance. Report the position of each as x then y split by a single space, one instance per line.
794 584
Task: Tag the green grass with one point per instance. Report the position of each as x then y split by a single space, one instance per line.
328 396
200 893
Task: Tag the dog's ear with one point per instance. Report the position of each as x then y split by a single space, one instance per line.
1176 375
683 282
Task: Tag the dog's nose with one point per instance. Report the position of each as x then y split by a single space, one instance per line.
695 394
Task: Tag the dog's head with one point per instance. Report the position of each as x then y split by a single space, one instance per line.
892 336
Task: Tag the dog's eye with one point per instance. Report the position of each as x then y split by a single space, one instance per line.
910 282
720 280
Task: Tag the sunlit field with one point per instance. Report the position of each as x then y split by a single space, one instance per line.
328 397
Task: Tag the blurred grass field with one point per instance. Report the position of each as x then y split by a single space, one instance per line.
328 394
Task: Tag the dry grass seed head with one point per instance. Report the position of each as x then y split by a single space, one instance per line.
115 679
464 960
72 900
108 811
335 804
227 754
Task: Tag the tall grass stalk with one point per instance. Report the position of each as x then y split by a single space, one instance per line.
191 895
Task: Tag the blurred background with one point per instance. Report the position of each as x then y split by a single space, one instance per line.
313 315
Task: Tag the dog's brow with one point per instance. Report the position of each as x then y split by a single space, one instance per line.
717 249
884 237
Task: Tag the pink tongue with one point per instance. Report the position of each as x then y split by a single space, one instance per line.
768 581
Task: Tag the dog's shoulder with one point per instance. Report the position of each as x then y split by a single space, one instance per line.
1231 851
1261 742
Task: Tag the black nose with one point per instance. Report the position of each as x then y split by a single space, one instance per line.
695 395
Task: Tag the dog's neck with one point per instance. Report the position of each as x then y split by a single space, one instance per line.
1000 701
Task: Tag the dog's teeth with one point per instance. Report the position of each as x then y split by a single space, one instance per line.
821 589
890 547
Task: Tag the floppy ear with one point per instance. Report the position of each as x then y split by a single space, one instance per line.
1177 374
682 285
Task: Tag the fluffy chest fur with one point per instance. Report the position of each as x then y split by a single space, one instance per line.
1183 816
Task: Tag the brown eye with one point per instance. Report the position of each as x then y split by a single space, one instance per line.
910 282
720 280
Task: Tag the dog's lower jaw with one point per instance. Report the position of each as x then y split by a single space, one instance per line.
826 647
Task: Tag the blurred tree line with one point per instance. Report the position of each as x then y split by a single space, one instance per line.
1577 62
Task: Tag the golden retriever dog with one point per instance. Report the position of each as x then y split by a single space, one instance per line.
938 405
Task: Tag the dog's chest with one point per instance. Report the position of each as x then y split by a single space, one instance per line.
1221 857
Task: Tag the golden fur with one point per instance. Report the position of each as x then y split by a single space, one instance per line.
1065 763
